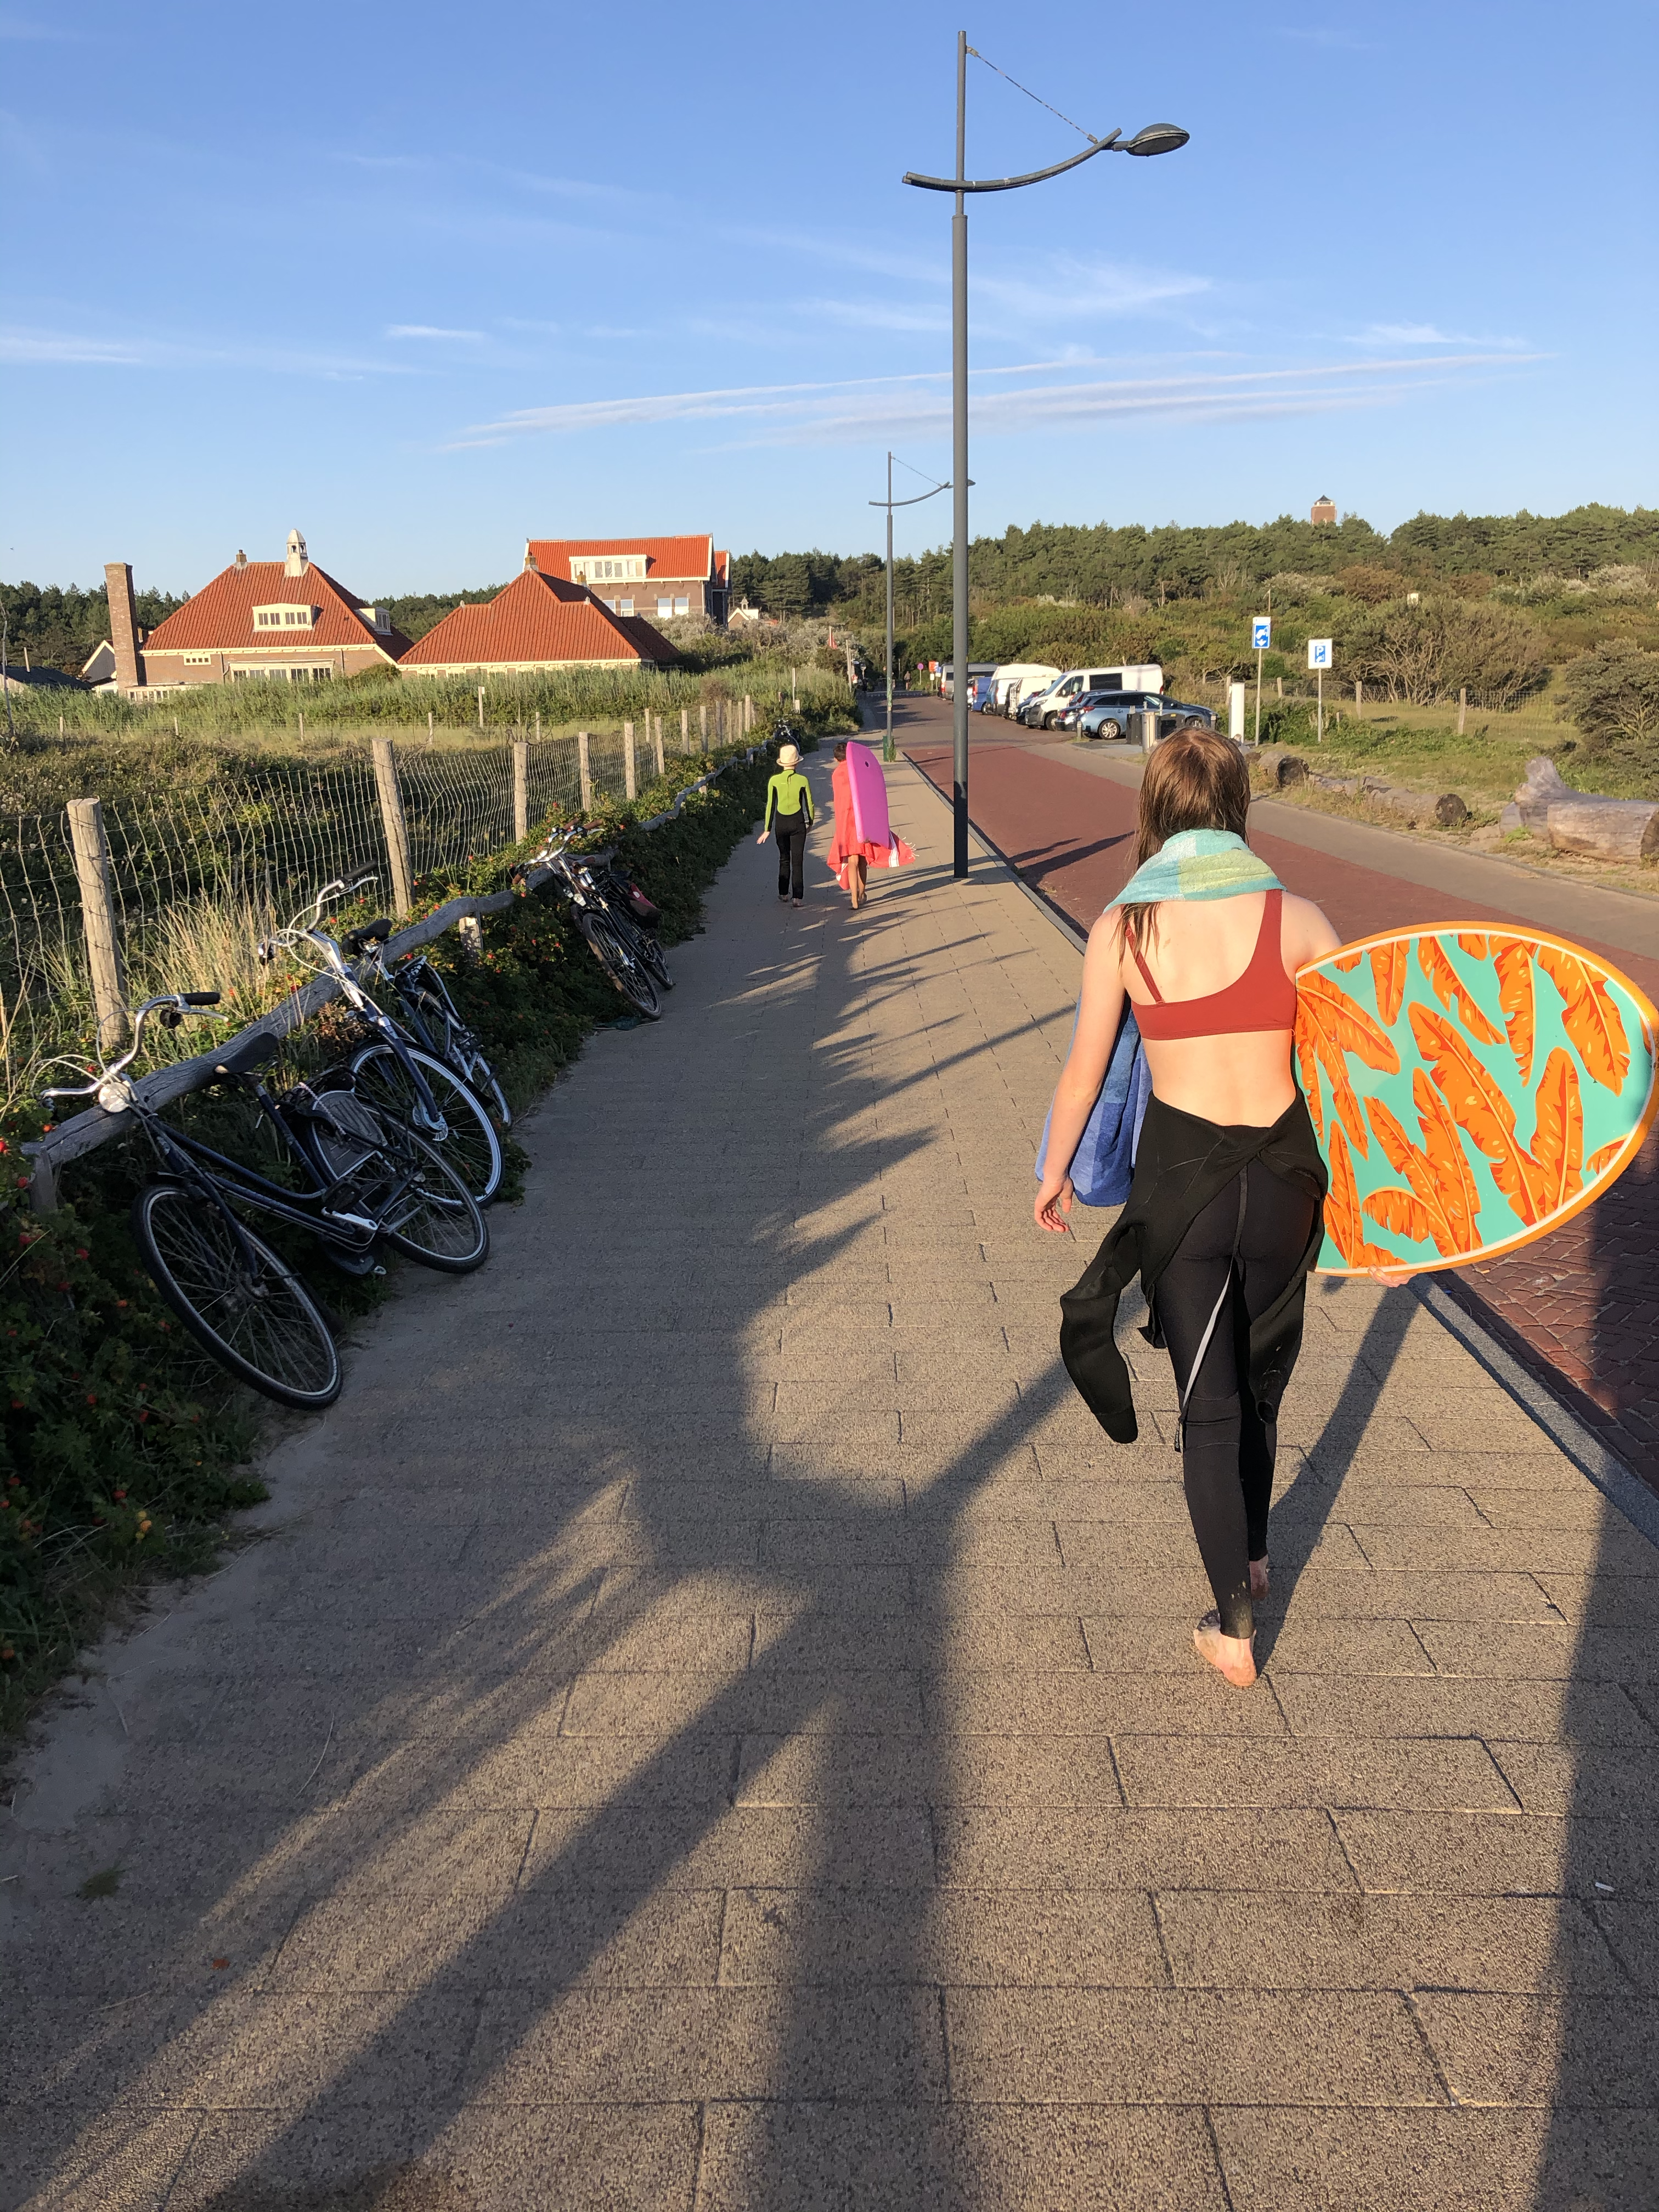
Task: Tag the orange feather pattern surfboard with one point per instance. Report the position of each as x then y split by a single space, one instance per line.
1471 1089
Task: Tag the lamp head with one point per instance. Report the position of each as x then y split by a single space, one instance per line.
1156 138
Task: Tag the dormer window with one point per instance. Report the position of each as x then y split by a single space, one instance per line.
612 568
377 618
284 617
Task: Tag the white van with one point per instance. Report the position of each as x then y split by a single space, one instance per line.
1145 676
1014 681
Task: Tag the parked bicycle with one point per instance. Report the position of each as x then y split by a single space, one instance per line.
433 1018
598 896
390 1069
355 1177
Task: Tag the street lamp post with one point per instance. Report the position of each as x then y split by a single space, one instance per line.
890 503
1156 138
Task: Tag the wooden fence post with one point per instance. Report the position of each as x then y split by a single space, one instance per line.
1462 707
685 729
662 766
585 769
703 726
520 792
481 693
109 997
748 714
630 778
397 830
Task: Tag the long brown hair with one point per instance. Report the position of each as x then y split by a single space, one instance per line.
1196 780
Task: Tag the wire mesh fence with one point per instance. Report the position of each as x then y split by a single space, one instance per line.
196 877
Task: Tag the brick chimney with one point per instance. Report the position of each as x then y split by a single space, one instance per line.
123 625
297 564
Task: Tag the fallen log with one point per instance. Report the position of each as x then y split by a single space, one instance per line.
1624 829
1604 829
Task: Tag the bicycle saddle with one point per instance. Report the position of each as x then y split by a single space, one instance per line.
253 1049
371 932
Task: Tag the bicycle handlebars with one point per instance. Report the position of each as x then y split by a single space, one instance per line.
176 1004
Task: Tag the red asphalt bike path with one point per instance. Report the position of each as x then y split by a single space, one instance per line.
1576 1307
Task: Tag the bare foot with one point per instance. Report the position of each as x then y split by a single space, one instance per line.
1231 1657
1258 1577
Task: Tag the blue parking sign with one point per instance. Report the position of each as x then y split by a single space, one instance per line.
1262 633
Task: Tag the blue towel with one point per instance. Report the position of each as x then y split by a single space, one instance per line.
1103 1164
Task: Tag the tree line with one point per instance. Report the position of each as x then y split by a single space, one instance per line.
60 626
1104 565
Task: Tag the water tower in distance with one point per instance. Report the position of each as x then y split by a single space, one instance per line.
1323 510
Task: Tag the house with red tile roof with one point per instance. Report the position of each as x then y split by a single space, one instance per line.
281 621
537 622
660 578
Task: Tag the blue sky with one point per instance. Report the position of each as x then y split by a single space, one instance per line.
426 281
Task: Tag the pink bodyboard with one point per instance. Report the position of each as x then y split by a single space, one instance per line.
869 789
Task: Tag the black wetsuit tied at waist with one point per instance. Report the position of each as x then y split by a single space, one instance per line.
1182 1165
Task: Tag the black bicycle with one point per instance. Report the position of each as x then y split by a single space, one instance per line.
628 953
431 1020
390 1070
355 1177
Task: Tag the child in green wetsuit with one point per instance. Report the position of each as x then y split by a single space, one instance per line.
789 813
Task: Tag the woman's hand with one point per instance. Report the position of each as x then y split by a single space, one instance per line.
1052 1200
761 840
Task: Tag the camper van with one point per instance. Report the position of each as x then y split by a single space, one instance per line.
1039 708
1014 682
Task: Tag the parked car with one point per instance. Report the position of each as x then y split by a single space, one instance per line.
1065 688
1069 716
1016 680
1109 717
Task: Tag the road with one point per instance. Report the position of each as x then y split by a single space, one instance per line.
1574 1306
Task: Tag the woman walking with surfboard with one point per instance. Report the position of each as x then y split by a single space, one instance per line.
1526 1064
863 834
1224 1220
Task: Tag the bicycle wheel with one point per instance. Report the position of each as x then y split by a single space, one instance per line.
626 971
437 1220
261 1322
471 1148
651 952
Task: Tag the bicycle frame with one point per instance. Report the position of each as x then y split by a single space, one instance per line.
427 1117
184 1156
180 1153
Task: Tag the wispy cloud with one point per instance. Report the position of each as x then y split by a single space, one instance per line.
1426 334
31 347
873 315
40 347
817 414
431 331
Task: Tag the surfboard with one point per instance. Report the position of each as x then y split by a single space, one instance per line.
1471 1088
869 788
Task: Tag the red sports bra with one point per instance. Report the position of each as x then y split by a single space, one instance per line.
1262 998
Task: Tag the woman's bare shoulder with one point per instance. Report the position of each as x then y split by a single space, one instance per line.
1307 935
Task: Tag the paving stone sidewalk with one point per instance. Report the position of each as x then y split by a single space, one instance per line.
710 1723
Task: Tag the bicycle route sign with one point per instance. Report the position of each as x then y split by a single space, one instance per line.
1262 633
